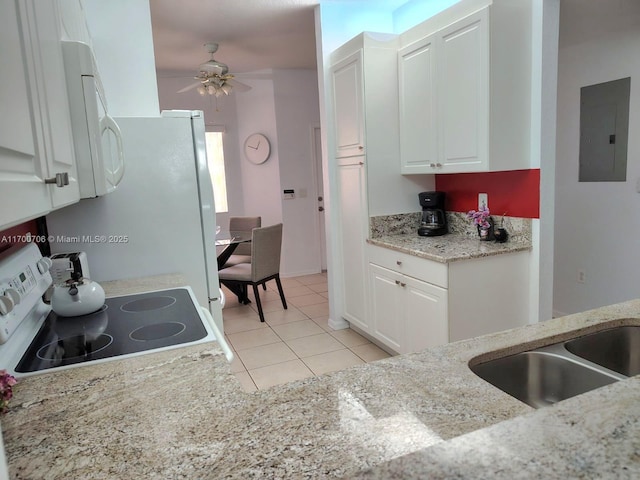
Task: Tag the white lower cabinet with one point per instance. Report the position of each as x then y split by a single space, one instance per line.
408 314
418 303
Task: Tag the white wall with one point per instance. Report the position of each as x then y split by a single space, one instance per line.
260 183
220 114
283 108
123 46
597 225
297 112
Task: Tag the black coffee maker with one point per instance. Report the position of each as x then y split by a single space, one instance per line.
434 219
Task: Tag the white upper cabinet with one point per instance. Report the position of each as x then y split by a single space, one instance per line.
36 145
347 101
463 94
465 90
417 104
22 169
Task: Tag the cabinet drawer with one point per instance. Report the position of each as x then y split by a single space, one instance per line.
412 266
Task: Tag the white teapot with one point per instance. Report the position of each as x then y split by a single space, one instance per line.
77 296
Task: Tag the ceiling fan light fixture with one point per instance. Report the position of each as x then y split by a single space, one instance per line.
202 90
226 88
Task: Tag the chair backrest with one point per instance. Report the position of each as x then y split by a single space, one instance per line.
266 244
244 224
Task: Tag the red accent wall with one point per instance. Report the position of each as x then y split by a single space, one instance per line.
516 193
17 231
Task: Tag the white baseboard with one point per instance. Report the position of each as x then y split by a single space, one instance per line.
557 313
299 274
340 324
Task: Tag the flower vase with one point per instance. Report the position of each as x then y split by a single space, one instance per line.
486 234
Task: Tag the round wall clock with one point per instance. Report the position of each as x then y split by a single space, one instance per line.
257 148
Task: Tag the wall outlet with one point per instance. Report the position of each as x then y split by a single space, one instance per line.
483 200
582 276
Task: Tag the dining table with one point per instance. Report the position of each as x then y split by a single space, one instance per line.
226 244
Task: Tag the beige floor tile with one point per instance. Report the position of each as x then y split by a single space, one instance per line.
238 311
286 372
349 338
332 361
236 364
267 307
319 288
313 311
246 381
252 338
243 324
265 355
292 292
312 279
369 352
265 296
303 328
286 282
292 314
314 345
305 300
323 322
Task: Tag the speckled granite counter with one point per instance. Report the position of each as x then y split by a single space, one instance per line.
181 414
447 248
399 232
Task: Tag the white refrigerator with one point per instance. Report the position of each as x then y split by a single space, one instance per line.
161 218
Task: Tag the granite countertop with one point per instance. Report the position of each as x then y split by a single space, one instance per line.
446 248
399 232
182 414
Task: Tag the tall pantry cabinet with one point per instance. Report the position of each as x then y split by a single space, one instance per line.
366 139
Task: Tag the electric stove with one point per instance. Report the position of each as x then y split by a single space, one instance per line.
36 340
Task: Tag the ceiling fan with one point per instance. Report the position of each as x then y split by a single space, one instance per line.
214 77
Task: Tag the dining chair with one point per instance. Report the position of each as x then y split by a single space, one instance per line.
242 253
266 245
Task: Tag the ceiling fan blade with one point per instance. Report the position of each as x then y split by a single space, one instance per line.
189 87
241 87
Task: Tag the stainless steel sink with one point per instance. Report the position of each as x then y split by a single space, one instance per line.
617 349
541 377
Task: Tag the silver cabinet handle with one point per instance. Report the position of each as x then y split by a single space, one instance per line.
403 284
360 147
60 180
397 282
398 262
432 165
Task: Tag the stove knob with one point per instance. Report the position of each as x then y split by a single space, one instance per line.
44 264
14 295
6 305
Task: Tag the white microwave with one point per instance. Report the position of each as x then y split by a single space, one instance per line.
96 136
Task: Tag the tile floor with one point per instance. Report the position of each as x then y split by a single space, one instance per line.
291 344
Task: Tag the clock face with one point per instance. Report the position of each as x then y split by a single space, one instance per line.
257 148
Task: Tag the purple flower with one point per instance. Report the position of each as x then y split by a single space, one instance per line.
480 217
6 393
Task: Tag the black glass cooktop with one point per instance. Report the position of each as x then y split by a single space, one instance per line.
124 325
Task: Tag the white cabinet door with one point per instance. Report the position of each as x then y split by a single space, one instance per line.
426 315
348 105
52 91
387 308
463 94
22 169
353 218
417 103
